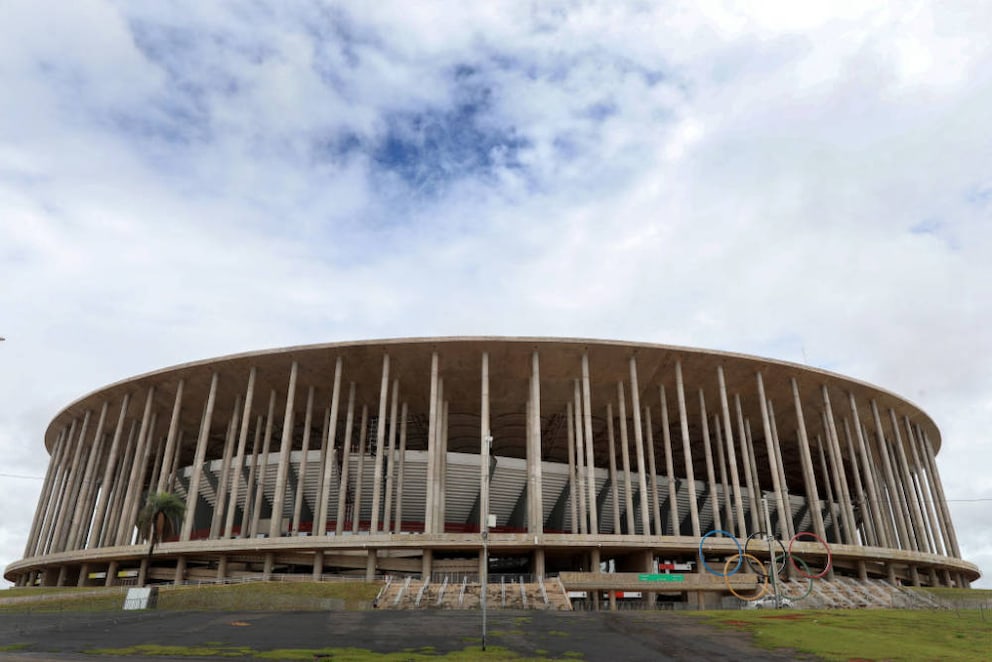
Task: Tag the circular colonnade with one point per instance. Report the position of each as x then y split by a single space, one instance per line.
385 456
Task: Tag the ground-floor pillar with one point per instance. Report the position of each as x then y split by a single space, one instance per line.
370 565
318 565
862 571
180 575
425 567
267 565
84 573
914 575
948 582
891 570
594 562
111 574
63 573
649 567
538 563
143 571
222 568
962 582
613 600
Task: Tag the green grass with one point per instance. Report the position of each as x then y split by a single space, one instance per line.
267 596
425 654
868 634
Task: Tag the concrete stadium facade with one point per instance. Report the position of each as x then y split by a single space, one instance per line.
372 457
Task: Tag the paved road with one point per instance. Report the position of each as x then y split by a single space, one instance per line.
628 636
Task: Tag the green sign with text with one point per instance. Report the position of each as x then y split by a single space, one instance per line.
660 578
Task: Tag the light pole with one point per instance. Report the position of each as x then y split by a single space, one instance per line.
771 553
484 575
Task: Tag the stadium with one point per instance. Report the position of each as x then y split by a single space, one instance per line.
584 458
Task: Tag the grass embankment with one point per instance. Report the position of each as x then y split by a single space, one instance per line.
868 634
260 596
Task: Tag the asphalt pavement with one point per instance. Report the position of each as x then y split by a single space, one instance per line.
629 636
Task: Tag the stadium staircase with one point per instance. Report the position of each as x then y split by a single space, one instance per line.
451 593
850 593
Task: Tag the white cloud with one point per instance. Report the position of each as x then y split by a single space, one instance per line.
178 182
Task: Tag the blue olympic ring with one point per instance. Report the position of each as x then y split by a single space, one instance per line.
740 552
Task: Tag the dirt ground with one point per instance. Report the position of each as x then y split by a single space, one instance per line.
628 636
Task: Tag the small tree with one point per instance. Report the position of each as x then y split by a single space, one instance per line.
159 518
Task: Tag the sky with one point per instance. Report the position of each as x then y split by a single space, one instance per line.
809 182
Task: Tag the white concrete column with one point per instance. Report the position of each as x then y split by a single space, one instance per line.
263 467
731 455
83 512
346 443
285 450
535 523
926 459
429 496
380 446
120 488
894 500
588 439
653 471
690 474
879 519
932 526
576 494
614 487
809 478
951 539
133 491
44 514
199 457
485 439
387 513
642 483
442 502
328 457
217 521
708 455
773 466
580 453
721 458
249 507
750 466
301 479
132 498
239 458
831 502
71 486
781 468
859 490
170 440
918 532
398 527
666 436
628 490
44 498
573 475
837 458
142 459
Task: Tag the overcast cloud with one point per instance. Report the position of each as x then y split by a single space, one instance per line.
184 180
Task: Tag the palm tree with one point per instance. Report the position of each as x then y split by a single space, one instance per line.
158 518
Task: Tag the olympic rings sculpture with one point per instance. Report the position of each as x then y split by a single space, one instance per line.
788 558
